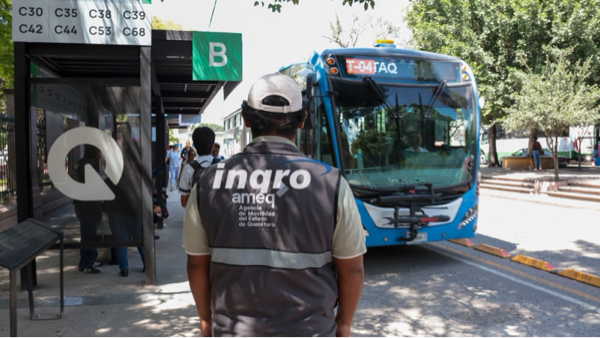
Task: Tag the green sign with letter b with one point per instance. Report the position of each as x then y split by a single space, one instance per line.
216 56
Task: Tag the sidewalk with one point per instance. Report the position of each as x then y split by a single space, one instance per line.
588 176
108 304
588 173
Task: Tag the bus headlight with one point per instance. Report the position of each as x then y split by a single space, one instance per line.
470 215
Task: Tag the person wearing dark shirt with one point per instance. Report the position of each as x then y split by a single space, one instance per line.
215 153
536 151
89 214
124 212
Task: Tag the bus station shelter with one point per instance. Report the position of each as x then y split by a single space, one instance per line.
118 97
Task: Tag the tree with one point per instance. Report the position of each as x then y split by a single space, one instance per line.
554 100
501 39
172 138
160 24
215 127
275 5
6 46
348 36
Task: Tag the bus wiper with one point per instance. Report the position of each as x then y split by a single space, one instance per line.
394 111
369 80
438 91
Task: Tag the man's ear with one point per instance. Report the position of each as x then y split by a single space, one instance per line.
304 115
246 123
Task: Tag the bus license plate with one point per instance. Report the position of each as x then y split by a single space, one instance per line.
421 238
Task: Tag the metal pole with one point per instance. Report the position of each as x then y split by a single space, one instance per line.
13 303
62 285
160 151
25 137
146 162
22 133
30 290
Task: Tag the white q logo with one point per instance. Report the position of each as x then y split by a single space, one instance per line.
94 188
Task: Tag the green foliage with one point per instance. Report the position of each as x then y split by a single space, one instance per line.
172 139
158 23
6 45
365 3
556 98
500 39
215 127
275 6
504 39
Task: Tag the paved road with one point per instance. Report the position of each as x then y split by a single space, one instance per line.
444 289
438 289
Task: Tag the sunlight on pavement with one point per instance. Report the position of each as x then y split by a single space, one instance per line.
103 330
176 287
399 329
177 301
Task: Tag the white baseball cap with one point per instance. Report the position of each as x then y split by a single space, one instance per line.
275 85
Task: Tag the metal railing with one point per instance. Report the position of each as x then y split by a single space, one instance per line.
8 172
43 176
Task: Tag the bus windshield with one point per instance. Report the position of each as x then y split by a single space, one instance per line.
398 134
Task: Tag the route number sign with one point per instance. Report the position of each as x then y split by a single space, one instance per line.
111 22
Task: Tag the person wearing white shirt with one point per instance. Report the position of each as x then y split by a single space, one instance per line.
204 140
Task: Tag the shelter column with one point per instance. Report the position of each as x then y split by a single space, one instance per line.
146 161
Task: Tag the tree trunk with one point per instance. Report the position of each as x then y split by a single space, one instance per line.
555 158
492 153
579 152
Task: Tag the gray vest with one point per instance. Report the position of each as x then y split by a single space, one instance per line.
269 215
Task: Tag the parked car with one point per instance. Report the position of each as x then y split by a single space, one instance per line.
562 161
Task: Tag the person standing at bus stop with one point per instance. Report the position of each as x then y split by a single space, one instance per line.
536 151
89 213
174 165
273 238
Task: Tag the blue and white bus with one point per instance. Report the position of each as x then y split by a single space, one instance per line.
403 128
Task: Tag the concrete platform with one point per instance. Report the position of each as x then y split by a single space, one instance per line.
107 304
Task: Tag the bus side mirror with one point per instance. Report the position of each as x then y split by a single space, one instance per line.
310 122
309 86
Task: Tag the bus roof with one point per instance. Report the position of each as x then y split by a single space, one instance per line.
387 51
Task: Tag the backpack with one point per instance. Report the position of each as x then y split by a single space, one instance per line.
198 170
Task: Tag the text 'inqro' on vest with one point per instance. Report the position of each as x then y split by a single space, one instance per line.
260 180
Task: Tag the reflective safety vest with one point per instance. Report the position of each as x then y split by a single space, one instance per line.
269 213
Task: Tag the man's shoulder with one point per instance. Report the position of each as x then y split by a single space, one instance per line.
194 165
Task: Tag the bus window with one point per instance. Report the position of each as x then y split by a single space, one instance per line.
315 143
323 145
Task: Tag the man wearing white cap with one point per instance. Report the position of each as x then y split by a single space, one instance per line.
274 240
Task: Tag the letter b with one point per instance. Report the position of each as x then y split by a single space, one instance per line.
214 54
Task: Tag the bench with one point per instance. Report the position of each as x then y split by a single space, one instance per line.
19 246
524 163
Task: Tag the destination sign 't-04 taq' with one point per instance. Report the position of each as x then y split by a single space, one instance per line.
114 22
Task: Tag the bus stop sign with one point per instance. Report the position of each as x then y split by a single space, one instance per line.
216 56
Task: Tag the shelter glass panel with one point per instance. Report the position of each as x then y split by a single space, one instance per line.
93 133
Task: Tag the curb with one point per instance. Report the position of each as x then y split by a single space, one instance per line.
578 276
541 199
